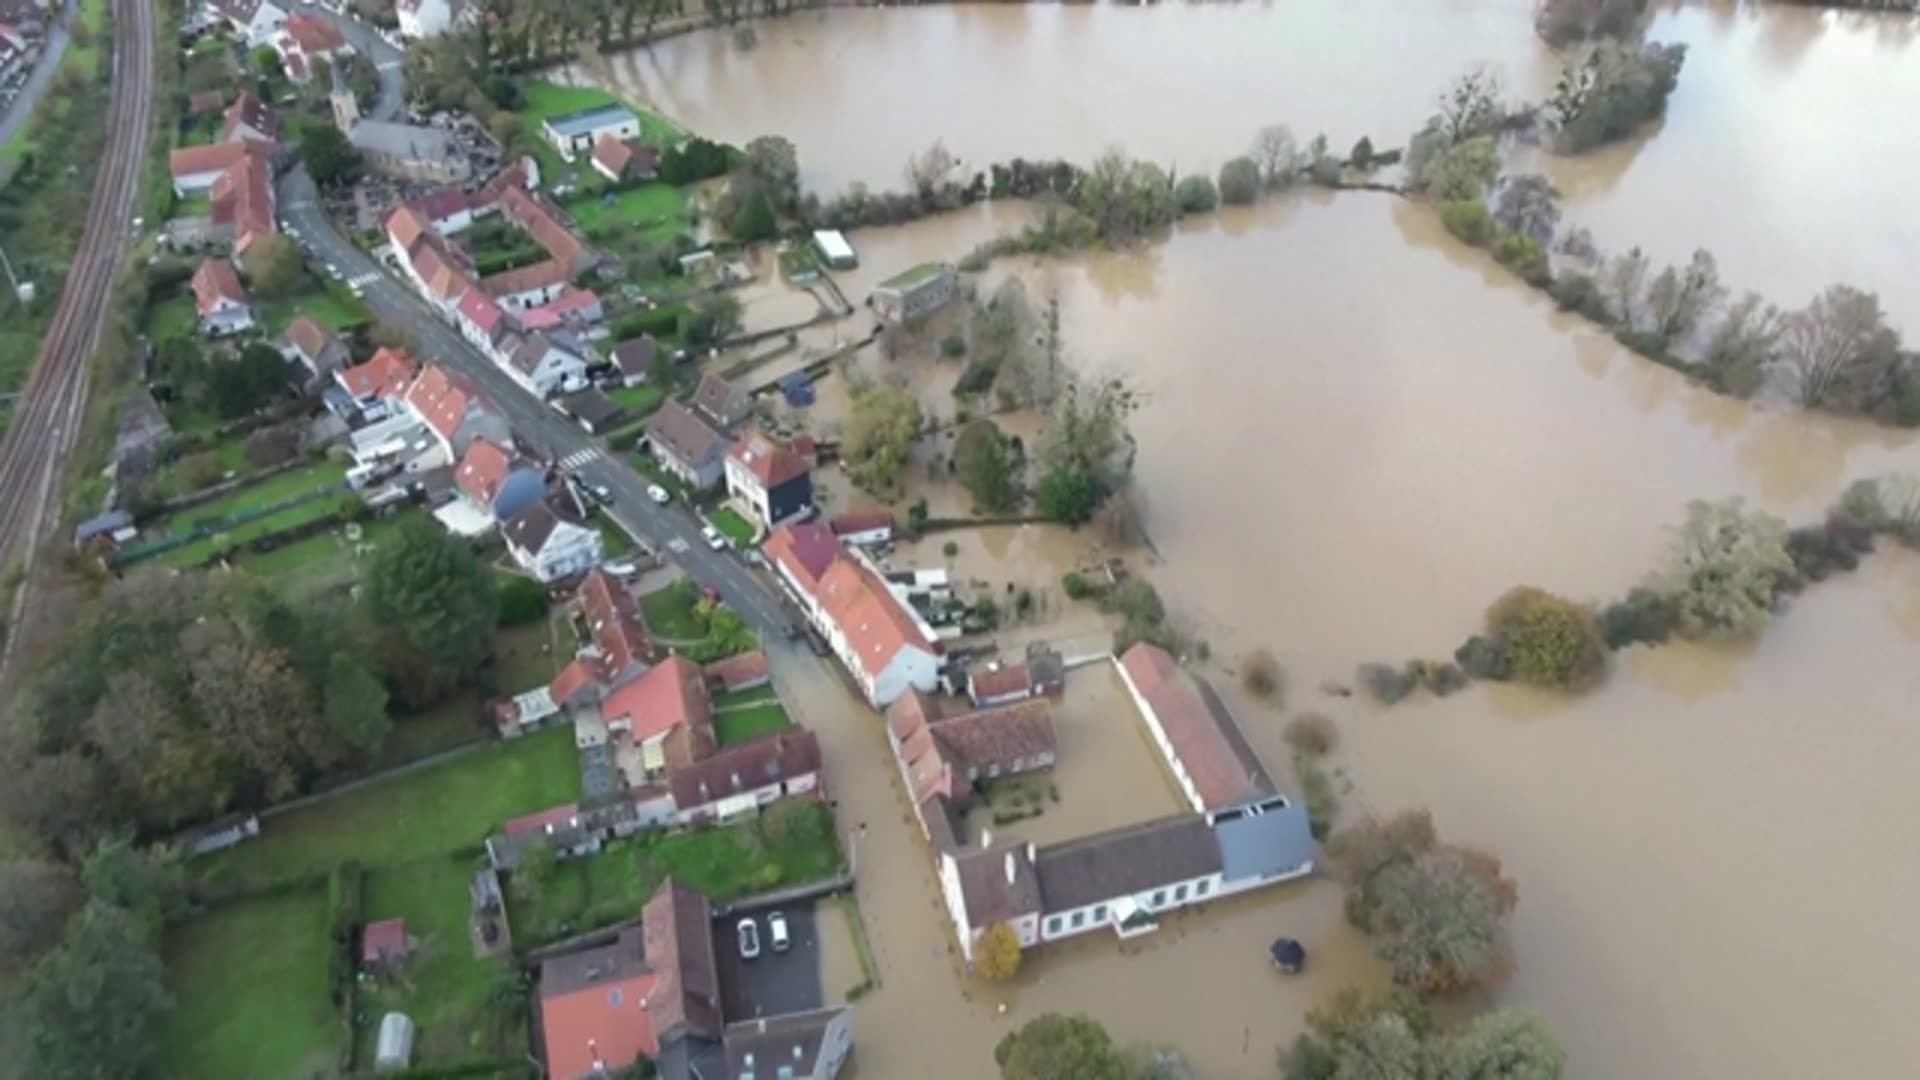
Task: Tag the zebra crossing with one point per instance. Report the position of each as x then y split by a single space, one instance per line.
580 459
364 280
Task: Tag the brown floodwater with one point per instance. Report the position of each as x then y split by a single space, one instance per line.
1355 434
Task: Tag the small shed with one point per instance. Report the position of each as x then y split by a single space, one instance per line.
394 1049
834 249
594 411
797 389
112 524
383 942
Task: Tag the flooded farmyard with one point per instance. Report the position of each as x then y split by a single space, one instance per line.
1355 434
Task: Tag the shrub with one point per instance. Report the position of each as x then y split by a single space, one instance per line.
953 346
1438 676
1834 545
1239 182
1522 254
1312 734
1580 294
1388 684
1263 677
1317 795
1469 221
997 955
1549 640
522 601
1077 586
196 471
1646 616
1362 156
1484 658
270 446
950 549
1195 195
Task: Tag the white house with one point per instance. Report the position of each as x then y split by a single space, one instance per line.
543 365
257 21
425 18
812 1045
574 133
219 299
882 642
767 477
551 546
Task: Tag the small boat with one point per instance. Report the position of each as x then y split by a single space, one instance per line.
1288 955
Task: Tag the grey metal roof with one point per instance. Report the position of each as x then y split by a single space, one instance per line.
1263 839
589 120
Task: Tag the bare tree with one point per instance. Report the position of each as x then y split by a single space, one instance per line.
1681 296
1529 205
1744 344
1625 279
1842 350
1470 105
926 169
1277 153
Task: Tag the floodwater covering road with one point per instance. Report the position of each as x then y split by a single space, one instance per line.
1356 434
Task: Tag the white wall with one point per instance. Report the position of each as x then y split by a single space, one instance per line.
1152 720
571 549
1198 891
911 668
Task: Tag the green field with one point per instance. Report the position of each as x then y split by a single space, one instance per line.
733 526
638 400
271 490
327 304
172 319
456 999
434 811
658 207
752 721
669 612
549 99
250 986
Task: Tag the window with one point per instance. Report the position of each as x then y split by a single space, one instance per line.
1200 889
1180 894
1100 913
1078 918
1159 897
1053 925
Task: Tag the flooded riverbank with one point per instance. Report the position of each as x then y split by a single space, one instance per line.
1356 434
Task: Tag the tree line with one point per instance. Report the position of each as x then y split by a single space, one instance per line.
179 698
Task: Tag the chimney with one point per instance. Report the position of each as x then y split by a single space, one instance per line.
1011 869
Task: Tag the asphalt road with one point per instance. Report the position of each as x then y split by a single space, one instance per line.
535 424
387 61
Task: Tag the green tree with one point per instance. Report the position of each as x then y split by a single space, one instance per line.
880 433
1056 1046
1470 105
1461 171
150 885
274 266
1506 1044
1743 345
1068 494
1726 565
1359 1036
773 161
1195 194
989 468
93 1006
355 707
328 155
436 604
1548 640
1239 181
1528 204
1842 351
1681 296
754 221
36 899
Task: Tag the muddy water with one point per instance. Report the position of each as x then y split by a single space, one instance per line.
1784 150
1356 434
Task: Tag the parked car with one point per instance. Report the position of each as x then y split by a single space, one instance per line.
749 939
713 538
657 494
621 569
777 931
601 492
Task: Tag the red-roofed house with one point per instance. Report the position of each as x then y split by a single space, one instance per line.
380 382
620 643
1201 741
196 168
884 645
741 778
250 118
860 527
384 942
220 300
242 202
483 322
315 347
449 209
405 226
666 699
482 469
946 756
305 38
742 672
528 286
767 477
620 160
453 409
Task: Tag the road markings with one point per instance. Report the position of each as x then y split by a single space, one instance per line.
580 459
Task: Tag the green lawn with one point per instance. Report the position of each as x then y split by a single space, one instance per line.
638 400
524 657
195 205
792 842
742 724
433 811
549 99
669 612
733 526
250 986
614 541
203 549
271 490
329 305
172 319
447 991
654 204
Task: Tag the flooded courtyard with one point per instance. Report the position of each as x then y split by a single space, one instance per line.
1355 435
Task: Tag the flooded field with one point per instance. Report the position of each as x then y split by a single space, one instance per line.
1355 435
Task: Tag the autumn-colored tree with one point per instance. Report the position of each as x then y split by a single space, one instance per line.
1548 640
997 955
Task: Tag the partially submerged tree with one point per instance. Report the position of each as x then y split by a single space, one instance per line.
1460 171
1547 640
997 955
1056 1046
1682 296
1239 181
927 169
1470 105
1614 90
1725 567
1743 345
1392 1036
880 433
1528 204
1276 154
1842 351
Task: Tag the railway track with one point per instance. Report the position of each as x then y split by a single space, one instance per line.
47 418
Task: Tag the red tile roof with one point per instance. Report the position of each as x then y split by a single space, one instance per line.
407 225
309 337
766 460
859 521
215 281
558 815
593 1007
383 940
987 682
619 156
442 399
999 735
806 549
773 758
575 677
483 311
252 112
243 198
736 671
1204 736
483 468
311 33
545 274
442 203
875 622
614 621
669 697
386 375
545 223
219 157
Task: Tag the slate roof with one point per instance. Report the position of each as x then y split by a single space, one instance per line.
767 759
1264 839
677 431
762 1048
635 356
1126 861
678 926
990 893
